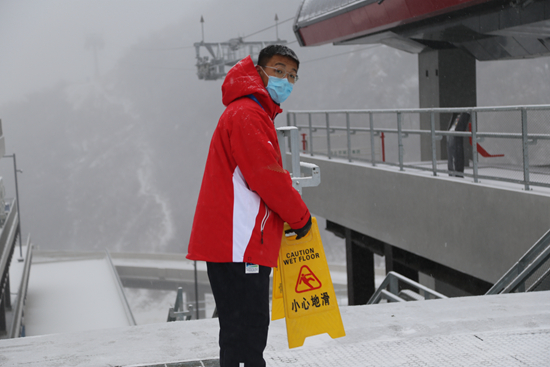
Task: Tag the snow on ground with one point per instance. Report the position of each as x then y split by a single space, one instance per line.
65 296
150 306
501 330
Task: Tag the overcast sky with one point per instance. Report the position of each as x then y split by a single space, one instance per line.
43 41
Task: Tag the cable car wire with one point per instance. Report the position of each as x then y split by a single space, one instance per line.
187 47
161 49
262 30
265 29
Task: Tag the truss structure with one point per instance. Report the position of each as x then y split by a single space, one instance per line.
220 55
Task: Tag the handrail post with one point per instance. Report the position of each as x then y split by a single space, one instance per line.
372 153
434 150
394 284
348 135
310 135
15 172
22 293
329 153
295 153
525 145
474 143
400 140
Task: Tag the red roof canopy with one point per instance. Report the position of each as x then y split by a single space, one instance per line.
341 20
487 29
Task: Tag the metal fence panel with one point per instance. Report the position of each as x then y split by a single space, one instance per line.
512 144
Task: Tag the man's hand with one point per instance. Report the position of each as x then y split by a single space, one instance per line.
304 230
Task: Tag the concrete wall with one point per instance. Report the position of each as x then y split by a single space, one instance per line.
473 228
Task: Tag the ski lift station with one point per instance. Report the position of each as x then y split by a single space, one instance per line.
455 197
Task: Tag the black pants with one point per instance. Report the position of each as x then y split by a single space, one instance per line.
242 301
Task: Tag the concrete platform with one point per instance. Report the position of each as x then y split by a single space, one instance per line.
501 330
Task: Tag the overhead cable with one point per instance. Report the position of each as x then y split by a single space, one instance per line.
186 47
162 49
265 29
303 62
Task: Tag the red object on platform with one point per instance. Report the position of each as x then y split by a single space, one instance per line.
480 149
304 142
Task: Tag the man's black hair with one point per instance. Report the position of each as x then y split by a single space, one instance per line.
268 52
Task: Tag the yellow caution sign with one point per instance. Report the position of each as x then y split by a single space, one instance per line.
310 305
277 304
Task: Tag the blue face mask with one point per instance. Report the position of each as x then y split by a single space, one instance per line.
279 88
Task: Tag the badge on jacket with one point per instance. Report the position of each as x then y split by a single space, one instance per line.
252 268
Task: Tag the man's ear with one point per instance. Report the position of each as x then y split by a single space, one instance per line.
261 73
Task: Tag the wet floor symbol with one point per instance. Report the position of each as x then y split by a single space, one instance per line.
307 280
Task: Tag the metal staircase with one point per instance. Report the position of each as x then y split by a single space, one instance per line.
390 290
530 274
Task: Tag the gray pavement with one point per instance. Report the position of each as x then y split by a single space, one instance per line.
501 330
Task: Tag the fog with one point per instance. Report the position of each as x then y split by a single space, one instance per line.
113 151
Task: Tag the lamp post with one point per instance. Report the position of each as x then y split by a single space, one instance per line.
15 172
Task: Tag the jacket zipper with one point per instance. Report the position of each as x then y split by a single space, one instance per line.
264 221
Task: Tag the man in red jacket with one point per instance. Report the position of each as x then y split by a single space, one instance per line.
245 198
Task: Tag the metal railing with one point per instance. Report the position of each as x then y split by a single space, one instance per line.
303 174
528 273
120 289
409 138
17 328
389 290
8 238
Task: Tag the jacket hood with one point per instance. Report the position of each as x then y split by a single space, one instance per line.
242 80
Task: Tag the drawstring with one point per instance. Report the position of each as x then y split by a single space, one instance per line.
264 221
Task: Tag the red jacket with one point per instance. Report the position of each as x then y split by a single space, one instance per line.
245 196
